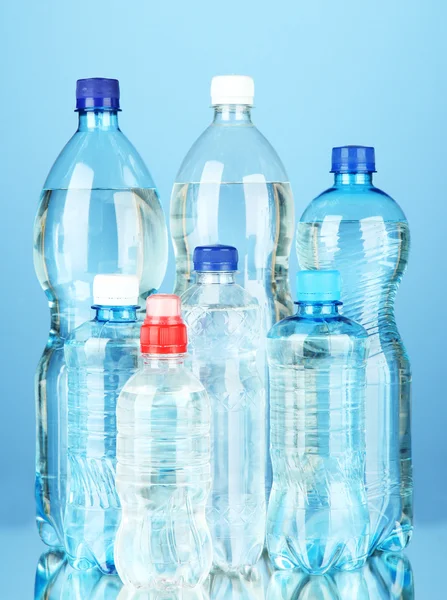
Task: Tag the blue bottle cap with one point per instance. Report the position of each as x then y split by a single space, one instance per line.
215 258
97 92
353 159
318 286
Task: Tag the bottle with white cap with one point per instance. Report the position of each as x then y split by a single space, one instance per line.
232 188
100 356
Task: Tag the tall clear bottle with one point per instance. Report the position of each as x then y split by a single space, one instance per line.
232 188
318 514
163 474
224 324
100 356
358 229
99 213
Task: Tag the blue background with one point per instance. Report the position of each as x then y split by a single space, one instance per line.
326 73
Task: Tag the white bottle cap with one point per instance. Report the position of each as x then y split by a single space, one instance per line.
232 89
116 290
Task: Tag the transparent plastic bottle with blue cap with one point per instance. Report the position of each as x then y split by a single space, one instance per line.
318 512
224 326
163 474
232 188
101 355
99 212
361 231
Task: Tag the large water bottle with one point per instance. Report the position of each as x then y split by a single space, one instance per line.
99 213
358 229
224 324
232 188
318 514
163 472
100 356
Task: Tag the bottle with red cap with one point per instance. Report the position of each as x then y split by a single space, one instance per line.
163 473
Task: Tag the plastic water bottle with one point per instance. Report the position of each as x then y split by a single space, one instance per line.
100 356
358 229
99 213
318 514
224 324
232 188
163 451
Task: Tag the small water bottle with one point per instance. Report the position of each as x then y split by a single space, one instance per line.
100 355
362 232
224 325
163 451
318 515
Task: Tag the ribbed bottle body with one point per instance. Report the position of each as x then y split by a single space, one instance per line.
362 232
318 515
163 478
224 325
100 357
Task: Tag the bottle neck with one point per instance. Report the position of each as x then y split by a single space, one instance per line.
318 309
163 361
215 277
118 314
353 179
232 114
99 119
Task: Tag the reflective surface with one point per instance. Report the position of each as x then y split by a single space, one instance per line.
416 574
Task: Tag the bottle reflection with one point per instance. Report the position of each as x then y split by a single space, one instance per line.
384 577
241 586
56 580
49 575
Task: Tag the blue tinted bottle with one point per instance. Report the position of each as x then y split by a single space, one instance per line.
224 326
318 514
358 229
99 213
101 356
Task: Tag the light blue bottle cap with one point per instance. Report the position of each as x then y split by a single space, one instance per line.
318 286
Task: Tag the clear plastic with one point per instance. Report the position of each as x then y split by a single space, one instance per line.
99 213
163 476
224 324
233 189
101 356
318 513
359 230
384 577
236 586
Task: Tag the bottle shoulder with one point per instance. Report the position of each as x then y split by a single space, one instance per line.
150 381
353 203
318 327
99 159
106 330
218 297
231 154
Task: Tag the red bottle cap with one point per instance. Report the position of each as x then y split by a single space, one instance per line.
163 330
